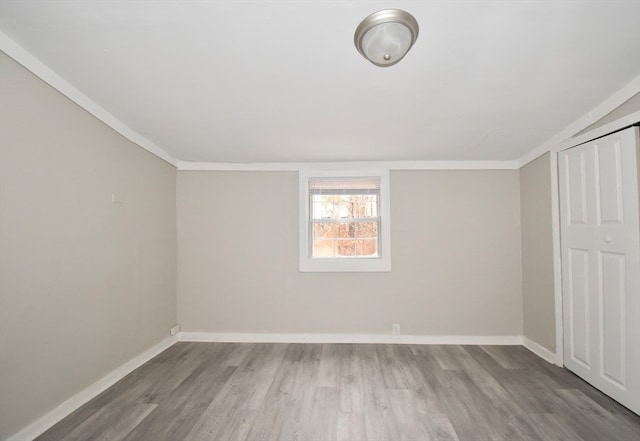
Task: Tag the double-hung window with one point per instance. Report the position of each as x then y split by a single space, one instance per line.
344 221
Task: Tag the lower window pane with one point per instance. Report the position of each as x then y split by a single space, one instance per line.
345 239
345 247
367 247
323 248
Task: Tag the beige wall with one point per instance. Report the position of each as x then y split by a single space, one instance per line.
537 253
85 285
455 258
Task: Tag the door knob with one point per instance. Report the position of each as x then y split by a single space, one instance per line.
607 239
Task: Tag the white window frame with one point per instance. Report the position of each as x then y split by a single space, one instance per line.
382 263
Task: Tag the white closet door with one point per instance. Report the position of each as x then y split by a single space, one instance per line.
600 238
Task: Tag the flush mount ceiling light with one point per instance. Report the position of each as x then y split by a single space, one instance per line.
386 36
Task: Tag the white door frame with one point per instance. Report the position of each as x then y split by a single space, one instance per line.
555 215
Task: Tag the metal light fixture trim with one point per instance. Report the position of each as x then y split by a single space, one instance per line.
394 28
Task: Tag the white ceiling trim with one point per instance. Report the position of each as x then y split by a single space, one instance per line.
387 165
22 56
597 113
561 139
613 126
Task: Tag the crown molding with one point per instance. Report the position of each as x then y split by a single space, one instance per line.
618 124
39 69
564 136
386 165
46 74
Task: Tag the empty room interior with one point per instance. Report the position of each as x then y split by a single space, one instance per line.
319 220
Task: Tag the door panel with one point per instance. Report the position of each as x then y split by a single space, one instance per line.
578 294
575 163
613 318
600 243
609 178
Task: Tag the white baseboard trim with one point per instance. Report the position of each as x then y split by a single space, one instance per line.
45 422
539 350
351 338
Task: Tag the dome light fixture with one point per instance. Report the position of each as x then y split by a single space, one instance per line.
386 36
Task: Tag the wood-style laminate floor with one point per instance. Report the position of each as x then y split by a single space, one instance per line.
318 392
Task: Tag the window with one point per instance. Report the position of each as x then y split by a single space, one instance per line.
344 221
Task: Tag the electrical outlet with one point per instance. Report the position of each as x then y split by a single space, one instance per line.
174 329
395 329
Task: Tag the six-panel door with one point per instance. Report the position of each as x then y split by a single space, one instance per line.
600 240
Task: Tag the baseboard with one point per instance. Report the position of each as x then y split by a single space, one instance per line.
45 422
351 338
539 350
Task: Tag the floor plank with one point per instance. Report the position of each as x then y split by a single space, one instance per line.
354 392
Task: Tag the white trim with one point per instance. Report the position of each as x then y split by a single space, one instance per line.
539 350
355 264
357 165
606 129
45 422
557 260
22 56
534 154
601 110
555 216
351 338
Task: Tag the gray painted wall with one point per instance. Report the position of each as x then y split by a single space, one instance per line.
455 258
85 285
537 253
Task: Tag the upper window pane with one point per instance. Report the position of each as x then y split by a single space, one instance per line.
344 206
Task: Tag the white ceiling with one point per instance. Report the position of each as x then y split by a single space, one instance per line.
281 81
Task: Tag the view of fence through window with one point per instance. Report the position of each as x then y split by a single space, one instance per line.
344 225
